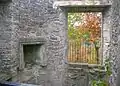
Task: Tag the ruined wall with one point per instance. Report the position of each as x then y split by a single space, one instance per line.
115 32
34 19
110 35
37 18
5 37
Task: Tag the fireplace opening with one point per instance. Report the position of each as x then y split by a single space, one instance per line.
32 55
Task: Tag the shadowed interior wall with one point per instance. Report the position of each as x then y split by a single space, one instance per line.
31 54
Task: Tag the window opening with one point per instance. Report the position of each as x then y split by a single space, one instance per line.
85 37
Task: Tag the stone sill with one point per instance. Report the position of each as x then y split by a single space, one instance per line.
91 68
80 6
86 65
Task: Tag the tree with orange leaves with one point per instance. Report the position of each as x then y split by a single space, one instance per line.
91 30
85 28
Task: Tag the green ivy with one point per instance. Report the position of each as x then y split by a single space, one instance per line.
108 71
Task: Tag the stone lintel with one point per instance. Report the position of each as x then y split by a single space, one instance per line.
86 65
40 40
80 6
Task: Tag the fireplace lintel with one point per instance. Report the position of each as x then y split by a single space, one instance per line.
40 40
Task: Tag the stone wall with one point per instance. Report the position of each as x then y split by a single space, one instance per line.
5 37
37 18
34 19
111 31
115 31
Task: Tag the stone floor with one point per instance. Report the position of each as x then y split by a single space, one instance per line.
34 75
23 76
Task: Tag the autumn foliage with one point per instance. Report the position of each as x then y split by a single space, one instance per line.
91 25
87 31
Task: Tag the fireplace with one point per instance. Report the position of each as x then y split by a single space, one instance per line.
32 52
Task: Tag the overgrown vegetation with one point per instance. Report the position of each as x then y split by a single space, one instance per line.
85 29
108 71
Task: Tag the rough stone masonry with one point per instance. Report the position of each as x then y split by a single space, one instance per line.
37 19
